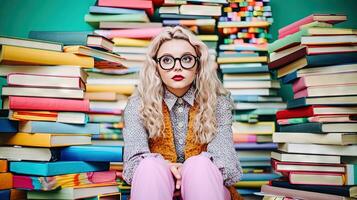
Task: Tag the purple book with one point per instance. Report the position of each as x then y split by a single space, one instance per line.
255 146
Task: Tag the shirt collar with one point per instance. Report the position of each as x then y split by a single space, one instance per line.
170 99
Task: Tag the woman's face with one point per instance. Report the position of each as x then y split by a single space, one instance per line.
171 54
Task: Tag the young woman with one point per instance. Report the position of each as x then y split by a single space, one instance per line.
177 132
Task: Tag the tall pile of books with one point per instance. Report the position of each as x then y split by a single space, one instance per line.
46 139
199 16
317 136
242 59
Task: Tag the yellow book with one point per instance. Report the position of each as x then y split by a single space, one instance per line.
119 41
27 56
256 128
250 184
222 60
291 67
208 37
119 89
46 139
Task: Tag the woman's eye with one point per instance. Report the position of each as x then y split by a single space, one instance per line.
187 59
167 60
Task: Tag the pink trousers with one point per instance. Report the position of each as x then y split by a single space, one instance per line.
201 180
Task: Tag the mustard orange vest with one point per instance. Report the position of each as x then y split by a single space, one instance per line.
165 145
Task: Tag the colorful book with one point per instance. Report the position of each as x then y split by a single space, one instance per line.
111 10
56 168
28 56
302 137
347 191
306 158
3 166
62 117
53 183
316 127
329 18
30 43
29 153
130 33
314 101
45 140
75 192
93 153
310 111
6 181
43 92
34 80
8 126
349 150
292 193
55 127
134 4
325 90
65 37
49 104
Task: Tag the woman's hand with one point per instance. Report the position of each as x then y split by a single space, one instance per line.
175 169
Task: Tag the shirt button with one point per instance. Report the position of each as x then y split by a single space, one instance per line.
180 101
180 124
181 142
180 109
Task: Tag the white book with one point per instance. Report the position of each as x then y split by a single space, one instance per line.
315 138
350 150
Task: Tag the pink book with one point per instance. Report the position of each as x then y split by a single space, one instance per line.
300 194
244 138
299 84
134 4
48 104
295 27
145 33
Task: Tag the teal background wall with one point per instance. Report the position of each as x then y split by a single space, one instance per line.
18 17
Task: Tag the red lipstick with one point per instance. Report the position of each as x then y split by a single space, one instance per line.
178 78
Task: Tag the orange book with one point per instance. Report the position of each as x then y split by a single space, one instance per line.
3 166
27 56
16 194
101 96
5 181
47 140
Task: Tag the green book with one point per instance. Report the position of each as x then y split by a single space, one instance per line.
95 19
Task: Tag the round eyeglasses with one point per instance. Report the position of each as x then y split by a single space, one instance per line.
187 61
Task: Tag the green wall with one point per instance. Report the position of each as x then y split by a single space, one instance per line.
18 17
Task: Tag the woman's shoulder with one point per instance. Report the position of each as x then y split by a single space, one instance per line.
133 104
224 102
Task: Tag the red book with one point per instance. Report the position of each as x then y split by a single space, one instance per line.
295 27
48 104
310 111
134 4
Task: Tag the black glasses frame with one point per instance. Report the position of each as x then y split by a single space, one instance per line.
197 59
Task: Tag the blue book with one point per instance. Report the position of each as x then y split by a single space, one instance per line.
233 70
5 194
65 37
56 127
56 168
247 191
289 78
259 176
256 146
110 10
8 126
93 153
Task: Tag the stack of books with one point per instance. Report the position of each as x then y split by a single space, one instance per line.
242 59
47 120
128 25
318 131
199 16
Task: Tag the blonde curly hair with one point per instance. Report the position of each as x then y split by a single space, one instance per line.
207 88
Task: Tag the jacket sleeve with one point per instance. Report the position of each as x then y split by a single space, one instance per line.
135 136
221 149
